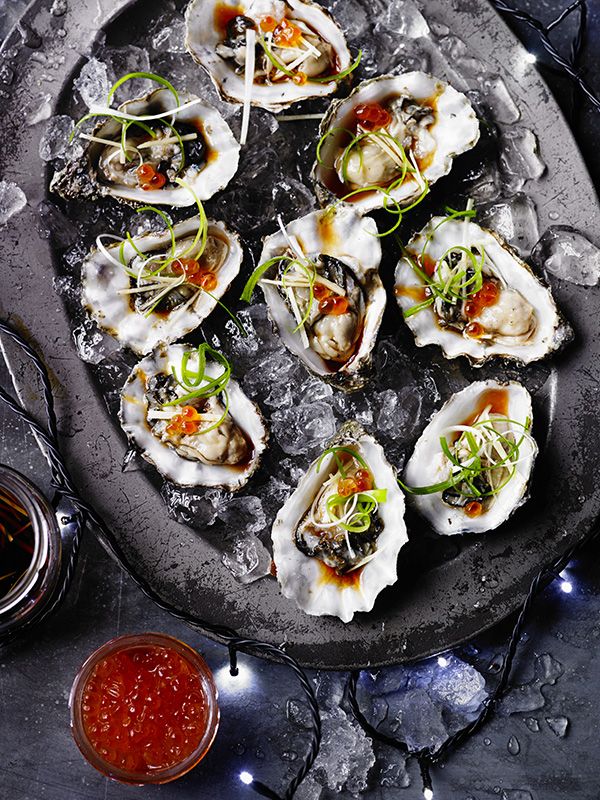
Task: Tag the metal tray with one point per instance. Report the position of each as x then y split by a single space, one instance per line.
449 589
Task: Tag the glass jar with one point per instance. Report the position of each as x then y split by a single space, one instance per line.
144 641
33 592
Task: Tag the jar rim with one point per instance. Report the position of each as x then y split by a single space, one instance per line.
38 509
131 642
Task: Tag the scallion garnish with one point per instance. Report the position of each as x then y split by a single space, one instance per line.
351 497
482 459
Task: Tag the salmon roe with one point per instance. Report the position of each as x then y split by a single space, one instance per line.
146 709
364 481
372 116
149 178
334 304
475 330
187 422
268 24
286 34
347 486
473 509
194 273
486 296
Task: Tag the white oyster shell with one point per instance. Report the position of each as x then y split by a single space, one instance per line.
428 465
454 131
133 417
103 279
81 177
340 233
203 36
305 579
528 296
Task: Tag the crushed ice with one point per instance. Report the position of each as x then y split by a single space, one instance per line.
569 255
12 200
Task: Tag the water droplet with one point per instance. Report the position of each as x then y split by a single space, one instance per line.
487 742
554 215
532 724
514 748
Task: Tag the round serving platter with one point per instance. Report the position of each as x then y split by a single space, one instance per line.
449 588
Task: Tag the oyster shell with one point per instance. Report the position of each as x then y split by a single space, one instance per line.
344 251
210 160
325 570
226 456
497 415
112 299
518 320
216 39
411 118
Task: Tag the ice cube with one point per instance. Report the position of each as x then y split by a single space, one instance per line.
247 558
520 157
190 506
12 200
242 514
352 16
293 199
400 17
170 38
399 411
91 345
458 686
418 721
41 110
123 60
92 82
53 224
344 760
569 255
529 696
558 726
299 714
300 429
55 141
498 99
514 219
59 8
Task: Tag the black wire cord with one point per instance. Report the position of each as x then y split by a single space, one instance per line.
63 483
570 65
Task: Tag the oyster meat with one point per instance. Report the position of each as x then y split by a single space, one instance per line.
337 538
155 288
169 159
390 139
298 50
471 467
193 438
323 292
461 287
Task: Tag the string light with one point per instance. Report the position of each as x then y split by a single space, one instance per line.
565 584
443 662
231 683
246 778
531 58
428 794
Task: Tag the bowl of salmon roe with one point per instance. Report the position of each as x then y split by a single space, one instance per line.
144 709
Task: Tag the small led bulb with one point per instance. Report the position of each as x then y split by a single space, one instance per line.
246 778
428 794
531 58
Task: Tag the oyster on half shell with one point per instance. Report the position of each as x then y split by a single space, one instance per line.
395 132
213 441
321 565
298 35
512 314
142 308
337 252
483 477
206 163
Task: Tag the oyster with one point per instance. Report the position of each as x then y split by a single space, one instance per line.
190 420
190 151
391 138
150 291
323 291
471 466
337 538
299 51
461 287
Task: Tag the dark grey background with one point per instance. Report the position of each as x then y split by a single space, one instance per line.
39 760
